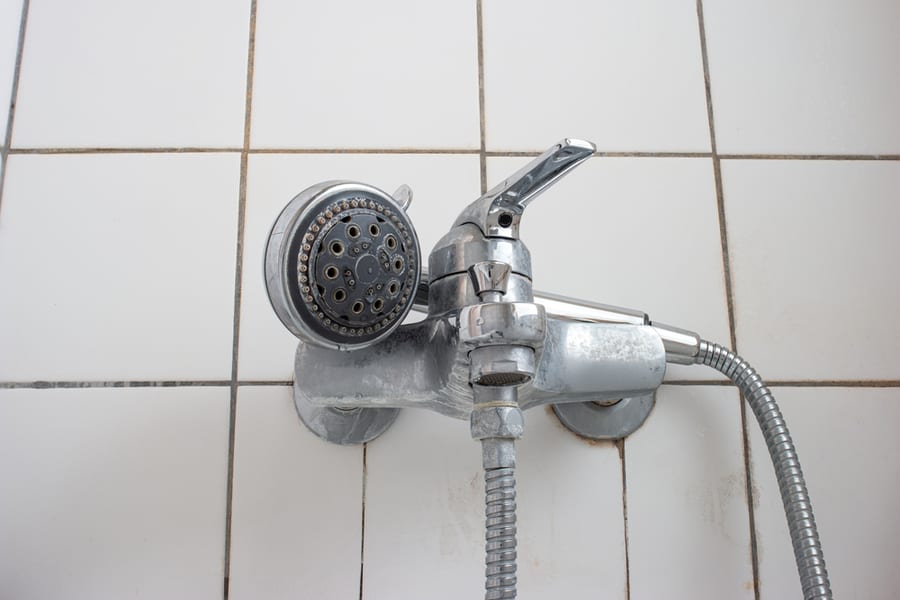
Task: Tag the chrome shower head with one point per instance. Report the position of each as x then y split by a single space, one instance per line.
342 264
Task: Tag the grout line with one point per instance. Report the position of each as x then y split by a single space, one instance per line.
849 383
262 382
117 150
461 151
729 295
604 154
13 97
45 385
363 151
620 445
482 156
362 537
238 274
49 385
850 157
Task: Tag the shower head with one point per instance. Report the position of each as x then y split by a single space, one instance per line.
342 264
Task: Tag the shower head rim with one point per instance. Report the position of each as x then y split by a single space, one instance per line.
281 244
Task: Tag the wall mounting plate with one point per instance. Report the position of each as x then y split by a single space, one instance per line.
599 422
345 426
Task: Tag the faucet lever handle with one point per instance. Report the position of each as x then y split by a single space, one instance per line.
499 211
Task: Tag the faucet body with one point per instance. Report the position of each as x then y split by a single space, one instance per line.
343 270
485 327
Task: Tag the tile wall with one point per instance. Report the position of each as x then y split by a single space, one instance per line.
747 186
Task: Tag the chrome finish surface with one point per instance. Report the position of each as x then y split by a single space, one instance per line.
500 533
345 426
611 422
465 245
791 482
490 347
342 265
426 365
682 346
498 212
490 279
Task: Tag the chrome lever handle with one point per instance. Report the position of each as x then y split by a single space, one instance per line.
498 212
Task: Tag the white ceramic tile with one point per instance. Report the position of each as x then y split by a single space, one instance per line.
688 524
628 76
571 530
108 73
424 511
805 77
360 74
118 267
847 443
813 249
442 185
634 232
113 493
296 513
10 18
425 507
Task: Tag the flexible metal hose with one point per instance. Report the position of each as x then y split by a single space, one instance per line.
500 536
797 507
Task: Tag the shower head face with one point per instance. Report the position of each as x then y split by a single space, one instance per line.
342 265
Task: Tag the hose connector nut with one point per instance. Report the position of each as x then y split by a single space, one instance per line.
497 422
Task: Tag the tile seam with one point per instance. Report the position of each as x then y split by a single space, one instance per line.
5 150
482 156
729 294
238 280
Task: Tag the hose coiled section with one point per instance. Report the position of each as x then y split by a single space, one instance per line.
797 506
500 536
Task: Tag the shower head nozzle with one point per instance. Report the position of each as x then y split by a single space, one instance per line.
342 264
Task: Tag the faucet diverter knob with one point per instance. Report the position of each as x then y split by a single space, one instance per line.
490 278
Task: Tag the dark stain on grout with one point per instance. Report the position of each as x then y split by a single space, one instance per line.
548 408
5 150
238 274
362 538
729 289
620 446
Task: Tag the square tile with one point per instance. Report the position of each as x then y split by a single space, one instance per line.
296 514
119 266
102 73
424 511
425 507
570 514
398 74
813 249
442 185
847 443
113 493
634 232
10 20
805 77
689 452
628 75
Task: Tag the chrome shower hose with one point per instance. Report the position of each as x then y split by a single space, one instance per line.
797 507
